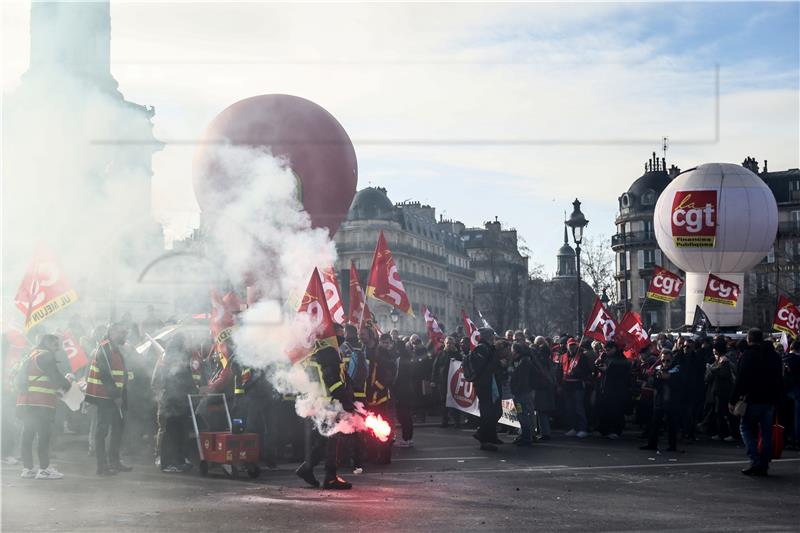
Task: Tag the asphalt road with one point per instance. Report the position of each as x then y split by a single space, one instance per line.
443 484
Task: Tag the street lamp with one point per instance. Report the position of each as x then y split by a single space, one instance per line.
604 299
394 316
577 222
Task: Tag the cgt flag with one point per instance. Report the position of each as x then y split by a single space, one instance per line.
44 290
356 297
633 334
665 286
787 317
384 281
435 333
721 291
322 333
471 330
75 354
333 295
223 312
601 325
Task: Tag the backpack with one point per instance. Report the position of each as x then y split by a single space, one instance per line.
468 367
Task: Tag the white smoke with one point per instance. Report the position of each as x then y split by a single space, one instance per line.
265 237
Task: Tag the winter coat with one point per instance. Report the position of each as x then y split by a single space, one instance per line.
759 376
520 371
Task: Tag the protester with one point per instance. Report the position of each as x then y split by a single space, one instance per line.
614 392
577 369
485 367
106 388
720 377
759 384
441 367
791 373
668 388
520 372
37 384
405 394
544 384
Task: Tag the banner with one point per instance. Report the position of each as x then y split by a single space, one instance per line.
787 317
356 311
333 295
322 333
694 219
77 357
44 291
601 325
435 334
721 291
461 395
665 286
471 330
384 280
634 336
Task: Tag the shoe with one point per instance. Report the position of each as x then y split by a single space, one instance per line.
755 471
228 469
10 460
570 433
648 447
544 437
488 447
337 483
105 471
171 469
410 443
28 473
613 436
306 473
581 434
358 470
49 473
729 439
119 467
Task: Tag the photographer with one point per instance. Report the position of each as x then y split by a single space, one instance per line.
667 383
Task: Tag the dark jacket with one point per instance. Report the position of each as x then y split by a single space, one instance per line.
616 380
720 379
759 377
172 382
669 387
485 363
441 367
520 370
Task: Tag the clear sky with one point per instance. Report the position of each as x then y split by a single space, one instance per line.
590 88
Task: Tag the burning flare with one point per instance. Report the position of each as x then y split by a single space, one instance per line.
377 426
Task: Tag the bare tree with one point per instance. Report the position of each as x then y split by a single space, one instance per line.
597 265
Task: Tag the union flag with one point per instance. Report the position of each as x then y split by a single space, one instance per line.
321 333
384 280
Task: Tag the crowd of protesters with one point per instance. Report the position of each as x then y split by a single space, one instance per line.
136 404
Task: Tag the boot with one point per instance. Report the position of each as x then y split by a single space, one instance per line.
337 483
306 473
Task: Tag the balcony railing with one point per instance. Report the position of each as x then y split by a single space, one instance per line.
633 237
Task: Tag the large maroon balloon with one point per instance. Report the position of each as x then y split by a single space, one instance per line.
315 145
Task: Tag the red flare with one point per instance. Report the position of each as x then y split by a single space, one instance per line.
378 426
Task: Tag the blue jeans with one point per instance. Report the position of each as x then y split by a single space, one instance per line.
574 395
524 406
758 417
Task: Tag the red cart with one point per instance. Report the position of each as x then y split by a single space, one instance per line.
217 444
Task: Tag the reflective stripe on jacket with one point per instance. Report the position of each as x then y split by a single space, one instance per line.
94 383
41 392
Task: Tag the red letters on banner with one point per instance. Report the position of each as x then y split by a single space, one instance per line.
721 291
384 280
787 317
634 335
333 295
435 333
665 286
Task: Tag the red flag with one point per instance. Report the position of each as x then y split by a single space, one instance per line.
601 325
721 291
223 311
15 345
787 317
44 290
471 330
384 281
322 333
633 334
356 297
74 350
435 333
665 286
333 295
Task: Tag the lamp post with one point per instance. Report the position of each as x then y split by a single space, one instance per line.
394 316
577 222
604 299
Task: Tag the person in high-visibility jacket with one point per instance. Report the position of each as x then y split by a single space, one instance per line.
38 384
326 367
106 387
354 360
383 365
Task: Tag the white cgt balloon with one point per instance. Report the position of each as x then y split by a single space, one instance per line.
716 218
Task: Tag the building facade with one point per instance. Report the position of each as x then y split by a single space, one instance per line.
501 274
430 257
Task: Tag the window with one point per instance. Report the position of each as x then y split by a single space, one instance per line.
658 260
625 201
771 255
628 290
643 284
628 261
648 228
652 317
649 197
795 218
761 281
